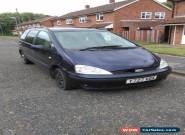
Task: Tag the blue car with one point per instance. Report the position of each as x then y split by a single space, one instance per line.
91 58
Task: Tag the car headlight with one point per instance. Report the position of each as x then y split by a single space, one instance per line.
84 69
163 64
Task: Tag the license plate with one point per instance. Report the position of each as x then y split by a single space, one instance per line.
140 80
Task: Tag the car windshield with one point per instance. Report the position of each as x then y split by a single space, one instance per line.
91 39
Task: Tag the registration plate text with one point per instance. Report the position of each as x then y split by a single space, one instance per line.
140 80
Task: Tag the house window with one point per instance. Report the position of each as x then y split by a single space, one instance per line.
99 17
58 22
159 15
83 19
69 21
146 15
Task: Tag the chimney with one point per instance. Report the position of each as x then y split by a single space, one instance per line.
111 1
87 6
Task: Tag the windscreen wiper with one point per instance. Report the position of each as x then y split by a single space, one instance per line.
105 47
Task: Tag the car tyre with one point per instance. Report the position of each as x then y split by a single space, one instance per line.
62 81
25 60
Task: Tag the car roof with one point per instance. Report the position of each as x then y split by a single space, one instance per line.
70 29
65 29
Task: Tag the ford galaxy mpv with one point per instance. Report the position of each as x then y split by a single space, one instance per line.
91 58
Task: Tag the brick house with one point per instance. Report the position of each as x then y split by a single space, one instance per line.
133 19
177 24
46 22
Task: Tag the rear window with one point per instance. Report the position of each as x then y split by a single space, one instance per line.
30 36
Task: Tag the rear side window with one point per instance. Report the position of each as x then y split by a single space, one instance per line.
23 36
30 36
43 39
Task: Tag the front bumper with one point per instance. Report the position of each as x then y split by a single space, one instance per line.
116 81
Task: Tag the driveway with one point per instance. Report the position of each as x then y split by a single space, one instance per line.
31 104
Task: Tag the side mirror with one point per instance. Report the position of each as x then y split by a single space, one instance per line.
41 47
49 46
52 46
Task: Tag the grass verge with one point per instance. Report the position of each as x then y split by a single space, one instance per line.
8 37
164 49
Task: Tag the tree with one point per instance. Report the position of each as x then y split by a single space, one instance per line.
7 24
168 4
27 16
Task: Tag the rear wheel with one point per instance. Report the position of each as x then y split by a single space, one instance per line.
27 61
62 81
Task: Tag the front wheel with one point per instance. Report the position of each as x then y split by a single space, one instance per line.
62 81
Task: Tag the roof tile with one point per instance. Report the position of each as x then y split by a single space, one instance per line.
103 8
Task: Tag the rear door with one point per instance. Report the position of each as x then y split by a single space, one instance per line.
42 50
28 42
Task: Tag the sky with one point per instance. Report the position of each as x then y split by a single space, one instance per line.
49 7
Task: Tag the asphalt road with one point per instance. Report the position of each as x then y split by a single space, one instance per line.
31 104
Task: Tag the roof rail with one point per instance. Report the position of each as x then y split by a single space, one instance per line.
38 27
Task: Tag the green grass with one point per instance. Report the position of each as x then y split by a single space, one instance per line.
164 49
8 37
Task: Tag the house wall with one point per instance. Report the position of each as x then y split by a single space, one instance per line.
62 22
179 10
176 33
47 23
108 17
130 12
23 27
133 12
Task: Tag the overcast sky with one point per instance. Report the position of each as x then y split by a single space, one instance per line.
49 7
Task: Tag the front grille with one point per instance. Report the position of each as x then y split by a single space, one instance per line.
124 71
133 70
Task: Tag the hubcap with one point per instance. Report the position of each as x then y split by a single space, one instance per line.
60 80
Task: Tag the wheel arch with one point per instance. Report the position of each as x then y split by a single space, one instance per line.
20 51
52 70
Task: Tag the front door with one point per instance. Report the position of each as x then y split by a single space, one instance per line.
183 37
42 49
